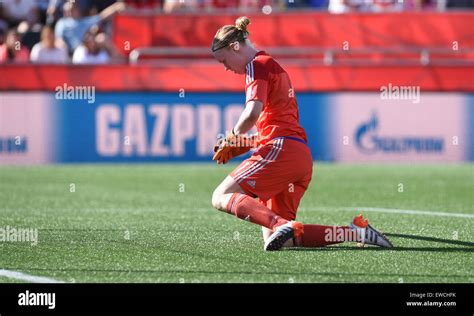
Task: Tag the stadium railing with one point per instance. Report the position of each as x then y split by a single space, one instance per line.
320 56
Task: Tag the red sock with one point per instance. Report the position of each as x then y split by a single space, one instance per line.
320 235
247 208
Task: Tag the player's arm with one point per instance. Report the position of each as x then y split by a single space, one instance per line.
256 93
112 10
256 96
236 142
249 117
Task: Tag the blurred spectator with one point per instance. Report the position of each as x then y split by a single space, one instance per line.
55 8
385 6
170 6
296 4
3 30
319 3
419 4
94 49
253 5
42 6
105 42
12 50
47 51
143 4
460 4
72 27
99 5
220 4
345 6
339 6
54 11
30 35
16 11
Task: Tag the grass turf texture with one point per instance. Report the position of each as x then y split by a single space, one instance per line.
133 223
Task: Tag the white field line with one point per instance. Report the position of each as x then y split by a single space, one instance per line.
26 277
358 209
389 210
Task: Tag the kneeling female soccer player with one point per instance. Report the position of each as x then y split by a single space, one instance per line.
279 171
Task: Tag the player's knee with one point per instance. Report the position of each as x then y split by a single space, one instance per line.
217 199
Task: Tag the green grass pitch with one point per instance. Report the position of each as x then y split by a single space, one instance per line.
155 223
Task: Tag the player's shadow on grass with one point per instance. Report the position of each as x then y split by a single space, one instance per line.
466 245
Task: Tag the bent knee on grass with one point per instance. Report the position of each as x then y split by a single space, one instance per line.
223 193
220 200
217 199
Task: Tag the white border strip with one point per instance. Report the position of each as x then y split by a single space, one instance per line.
26 277
354 209
390 210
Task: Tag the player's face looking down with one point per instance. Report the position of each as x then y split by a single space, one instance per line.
233 58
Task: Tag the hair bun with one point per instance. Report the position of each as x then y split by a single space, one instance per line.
242 23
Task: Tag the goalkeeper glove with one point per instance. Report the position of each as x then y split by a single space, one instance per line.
232 146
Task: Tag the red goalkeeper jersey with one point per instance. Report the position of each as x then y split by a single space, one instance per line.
267 82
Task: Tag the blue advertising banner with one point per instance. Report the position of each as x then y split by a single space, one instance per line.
148 127
41 128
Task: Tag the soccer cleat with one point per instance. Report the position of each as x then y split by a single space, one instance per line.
366 234
282 234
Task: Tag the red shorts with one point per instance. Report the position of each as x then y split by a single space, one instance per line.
278 173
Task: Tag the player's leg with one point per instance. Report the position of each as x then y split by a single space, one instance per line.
286 204
231 198
270 176
289 177
266 233
223 193
314 235
279 175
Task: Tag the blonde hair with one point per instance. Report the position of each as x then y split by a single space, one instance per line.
231 33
